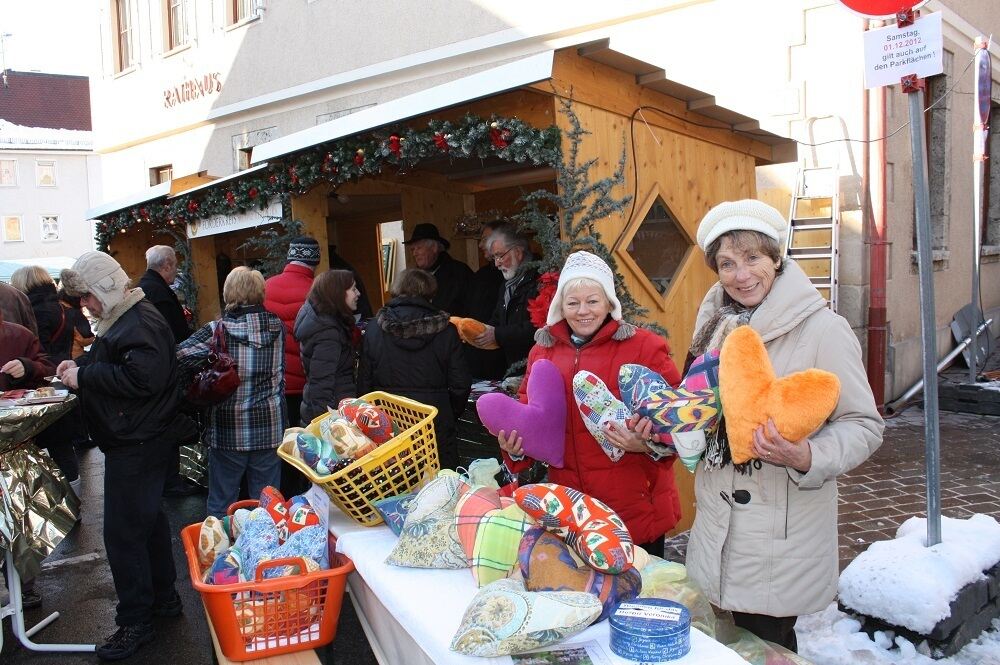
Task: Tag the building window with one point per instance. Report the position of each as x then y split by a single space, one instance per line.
991 218
177 23
8 173
50 228
161 174
241 10
243 158
12 230
45 173
124 35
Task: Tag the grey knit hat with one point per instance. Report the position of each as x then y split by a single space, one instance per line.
304 250
98 274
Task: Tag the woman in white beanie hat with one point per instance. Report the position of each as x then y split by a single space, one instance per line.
764 540
585 331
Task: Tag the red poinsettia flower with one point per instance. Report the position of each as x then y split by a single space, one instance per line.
538 307
441 141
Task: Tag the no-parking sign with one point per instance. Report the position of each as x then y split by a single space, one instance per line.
881 8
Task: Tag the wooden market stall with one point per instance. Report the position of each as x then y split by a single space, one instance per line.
683 155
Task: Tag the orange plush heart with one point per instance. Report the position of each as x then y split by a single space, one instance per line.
470 329
750 392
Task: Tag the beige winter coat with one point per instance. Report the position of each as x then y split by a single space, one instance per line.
777 553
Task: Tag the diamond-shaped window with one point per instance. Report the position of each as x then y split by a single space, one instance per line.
658 246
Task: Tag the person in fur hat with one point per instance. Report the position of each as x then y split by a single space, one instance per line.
585 331
127 388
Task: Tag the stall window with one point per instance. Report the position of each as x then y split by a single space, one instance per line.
124 35
177 23
45 173
8 173
160 174
12 229
50 228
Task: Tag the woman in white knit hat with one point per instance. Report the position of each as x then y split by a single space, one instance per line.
764 540
585 331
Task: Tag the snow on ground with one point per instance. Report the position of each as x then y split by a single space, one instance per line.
910 585
831 637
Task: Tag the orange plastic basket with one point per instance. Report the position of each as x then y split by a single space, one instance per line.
393 468
271 617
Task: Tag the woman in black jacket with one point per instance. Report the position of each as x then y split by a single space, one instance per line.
413 351
55 334
324 329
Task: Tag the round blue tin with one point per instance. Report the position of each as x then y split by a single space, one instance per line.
650 630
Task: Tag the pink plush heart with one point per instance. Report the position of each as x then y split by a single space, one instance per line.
541 422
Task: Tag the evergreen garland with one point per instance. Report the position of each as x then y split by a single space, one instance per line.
274 240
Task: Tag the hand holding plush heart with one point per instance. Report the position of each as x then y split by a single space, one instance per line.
541 423
751 393
470 329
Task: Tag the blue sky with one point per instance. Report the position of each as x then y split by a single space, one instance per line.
53 36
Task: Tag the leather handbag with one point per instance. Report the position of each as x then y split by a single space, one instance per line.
219 380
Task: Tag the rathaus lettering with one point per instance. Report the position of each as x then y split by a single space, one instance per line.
192 89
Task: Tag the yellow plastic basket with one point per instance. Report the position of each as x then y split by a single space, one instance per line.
393 468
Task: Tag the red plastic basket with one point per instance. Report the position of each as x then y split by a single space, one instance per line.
271 617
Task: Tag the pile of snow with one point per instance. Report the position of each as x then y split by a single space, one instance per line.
908 584
19 136
831 637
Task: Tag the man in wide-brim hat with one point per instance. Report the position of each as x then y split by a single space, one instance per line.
454 278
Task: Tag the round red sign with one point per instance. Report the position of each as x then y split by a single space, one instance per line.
881 8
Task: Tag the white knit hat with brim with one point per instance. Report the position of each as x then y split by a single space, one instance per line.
745 215
589 266
98 274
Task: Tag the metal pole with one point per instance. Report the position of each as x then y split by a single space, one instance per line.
928 332
982 99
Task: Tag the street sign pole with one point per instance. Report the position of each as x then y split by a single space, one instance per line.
914 87
982 100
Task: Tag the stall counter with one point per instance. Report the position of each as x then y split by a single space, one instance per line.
410 614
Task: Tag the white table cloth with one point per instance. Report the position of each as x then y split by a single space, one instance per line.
411 614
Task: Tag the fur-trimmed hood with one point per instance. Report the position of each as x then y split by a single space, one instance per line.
413 320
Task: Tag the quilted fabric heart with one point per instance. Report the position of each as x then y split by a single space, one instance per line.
751 393
430 538
373 422
547 563
490 529
470 329
227 568
585 523
541 422
692 406
505 618
689 446
300 514
257 540
274 503
599 406
309 543
212 541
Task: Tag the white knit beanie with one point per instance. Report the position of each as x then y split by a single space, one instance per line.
745 215
590 266
98 274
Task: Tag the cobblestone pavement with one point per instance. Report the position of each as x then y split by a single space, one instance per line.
890 487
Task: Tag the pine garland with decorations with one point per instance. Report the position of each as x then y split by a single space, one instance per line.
566 221
273 240
343 161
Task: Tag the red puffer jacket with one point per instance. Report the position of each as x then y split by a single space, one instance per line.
640 490
284 295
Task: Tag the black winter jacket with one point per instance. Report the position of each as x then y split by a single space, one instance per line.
55 328
512 324
411 350
163 297
454 281
327 353
128 380
487 282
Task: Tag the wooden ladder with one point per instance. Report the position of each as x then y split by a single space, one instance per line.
814 228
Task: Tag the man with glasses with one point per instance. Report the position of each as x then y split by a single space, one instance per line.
510 325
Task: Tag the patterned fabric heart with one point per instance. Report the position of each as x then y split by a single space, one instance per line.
586 524
373 422
751 392
541 423
598 406
548 564
490 528
430 538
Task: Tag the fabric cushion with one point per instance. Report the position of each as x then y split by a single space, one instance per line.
393 510
212 541
318 453
430 538
504 618
490 529
541 422
373 422
547 563
257 540
586 524
227 568
309 543
348 440
751 393
598 407
300 514
470 509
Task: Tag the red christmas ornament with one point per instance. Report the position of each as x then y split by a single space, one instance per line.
441 141
395 145
252 193
292 175
273 179
230 198
327 163
143 213
500 138
192 206
359 157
